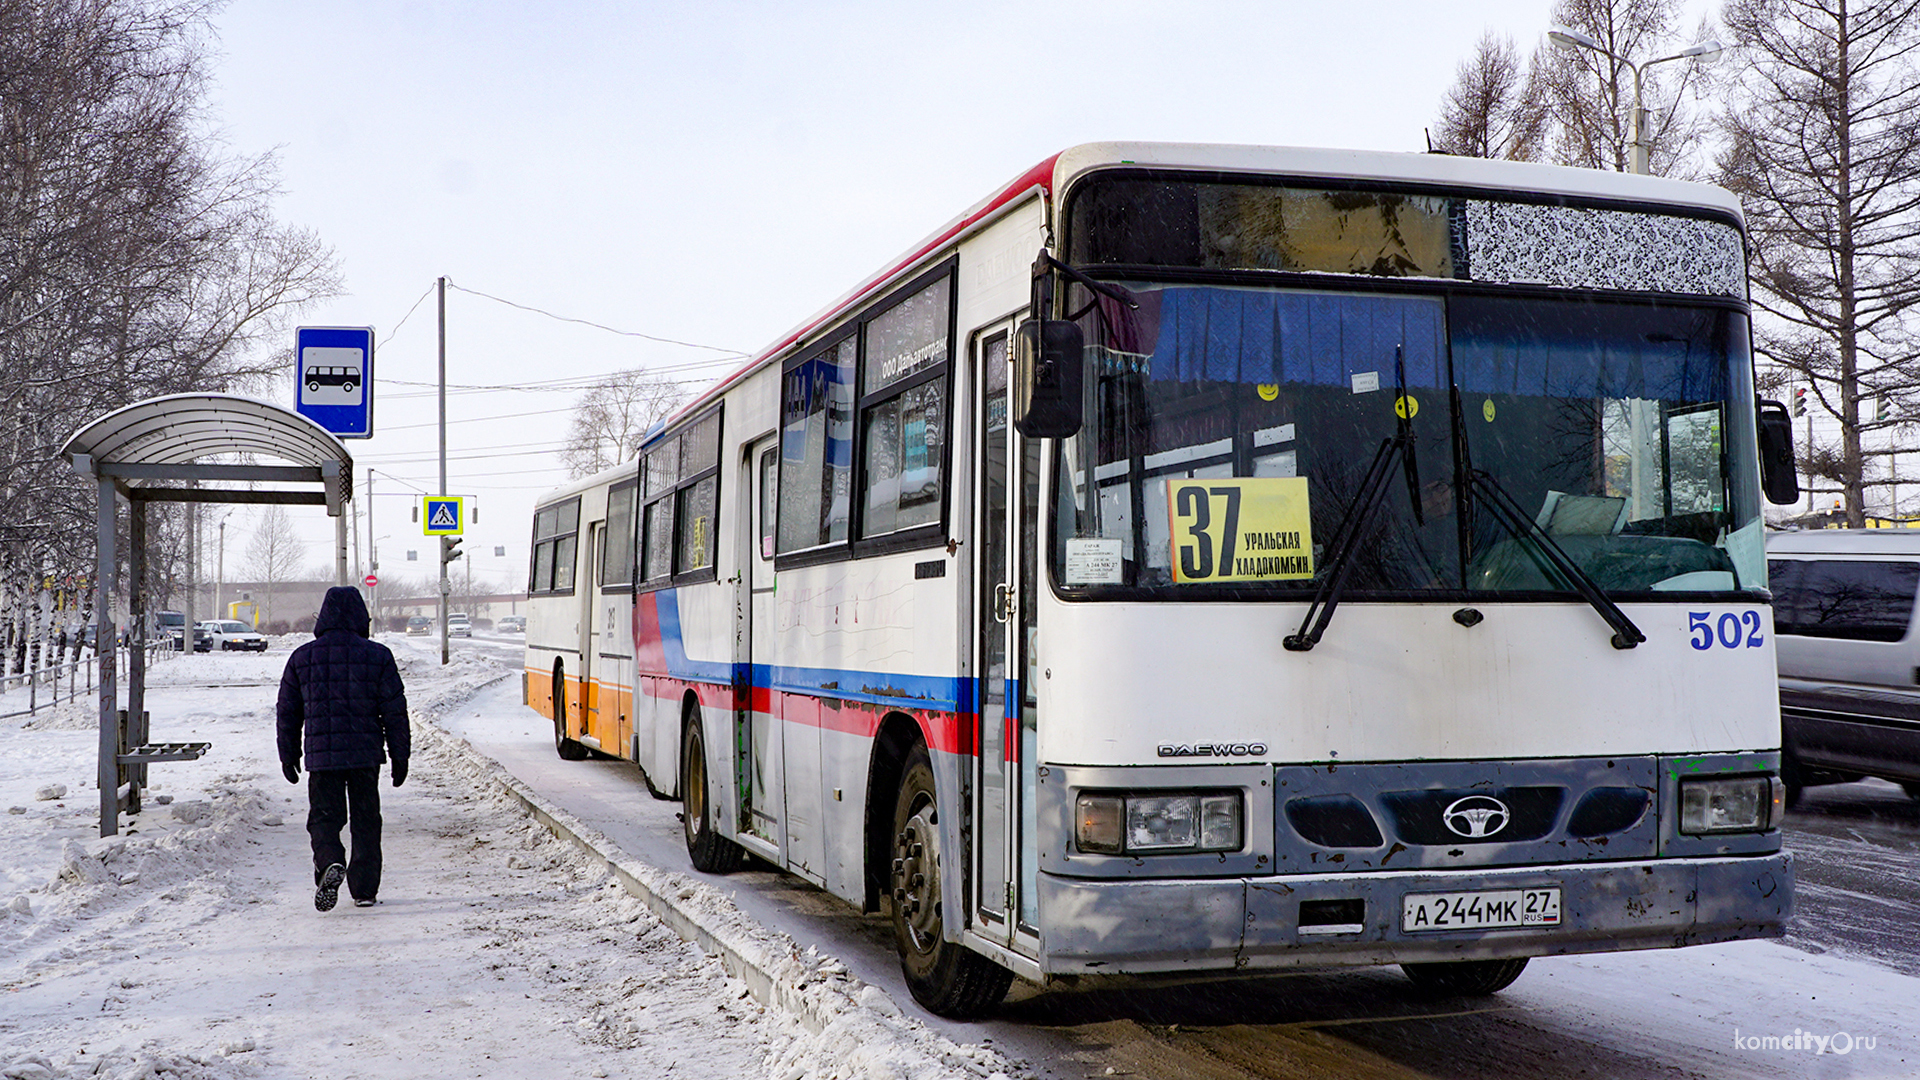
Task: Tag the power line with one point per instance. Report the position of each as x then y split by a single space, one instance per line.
733 353
391 334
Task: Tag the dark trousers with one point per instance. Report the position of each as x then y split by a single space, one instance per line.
335 796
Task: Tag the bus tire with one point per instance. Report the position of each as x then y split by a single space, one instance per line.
711 853
1466 978
568 749
944 976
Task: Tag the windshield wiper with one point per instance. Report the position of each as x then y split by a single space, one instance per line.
1373 490
1625 634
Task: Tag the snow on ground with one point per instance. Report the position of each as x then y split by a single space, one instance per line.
188 946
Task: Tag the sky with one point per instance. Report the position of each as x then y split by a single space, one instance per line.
715 173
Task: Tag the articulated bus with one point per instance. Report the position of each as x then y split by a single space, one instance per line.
1210 560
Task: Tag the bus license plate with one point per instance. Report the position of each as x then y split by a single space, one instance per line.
1480 910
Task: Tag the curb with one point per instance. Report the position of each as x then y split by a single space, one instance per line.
633 876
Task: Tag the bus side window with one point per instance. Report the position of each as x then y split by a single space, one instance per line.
903 411
678 524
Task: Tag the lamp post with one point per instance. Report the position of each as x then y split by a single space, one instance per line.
1706 52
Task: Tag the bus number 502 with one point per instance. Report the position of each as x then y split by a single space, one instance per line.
1732 630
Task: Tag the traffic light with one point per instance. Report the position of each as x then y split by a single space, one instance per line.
1800 402
1882 408
449 549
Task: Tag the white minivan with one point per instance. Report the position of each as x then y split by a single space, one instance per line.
1844 607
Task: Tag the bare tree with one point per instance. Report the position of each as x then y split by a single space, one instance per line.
275 554
1824 151
136 257
1588 96
613 417
1494 109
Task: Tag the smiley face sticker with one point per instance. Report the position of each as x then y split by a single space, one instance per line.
1267 391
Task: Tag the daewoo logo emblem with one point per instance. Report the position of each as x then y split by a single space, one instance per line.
1476 816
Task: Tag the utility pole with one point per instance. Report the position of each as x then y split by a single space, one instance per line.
373 558
220 570
445 585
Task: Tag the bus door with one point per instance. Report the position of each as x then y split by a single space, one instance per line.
1006 502
593 632
757 712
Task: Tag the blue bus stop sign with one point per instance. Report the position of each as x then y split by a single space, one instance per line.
333 369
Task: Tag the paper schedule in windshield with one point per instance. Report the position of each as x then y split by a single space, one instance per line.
1241 529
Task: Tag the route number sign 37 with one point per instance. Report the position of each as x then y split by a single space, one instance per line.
1240 529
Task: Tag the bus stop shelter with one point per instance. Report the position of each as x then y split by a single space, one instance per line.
158 450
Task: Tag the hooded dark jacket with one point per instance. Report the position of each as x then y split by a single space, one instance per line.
344 692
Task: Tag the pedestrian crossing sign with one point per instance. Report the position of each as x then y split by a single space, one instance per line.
442 515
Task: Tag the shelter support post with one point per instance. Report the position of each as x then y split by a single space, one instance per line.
104 646
136 634
340 550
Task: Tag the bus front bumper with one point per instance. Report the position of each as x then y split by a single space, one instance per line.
1168 926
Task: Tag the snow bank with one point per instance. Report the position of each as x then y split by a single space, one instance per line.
188 947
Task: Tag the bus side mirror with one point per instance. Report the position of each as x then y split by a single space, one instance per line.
1777 477
1049 368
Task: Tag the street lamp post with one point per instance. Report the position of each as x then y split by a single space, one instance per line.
1706 52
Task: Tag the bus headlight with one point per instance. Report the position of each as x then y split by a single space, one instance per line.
1160 823
1736 804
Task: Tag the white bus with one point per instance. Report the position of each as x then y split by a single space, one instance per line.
1001 595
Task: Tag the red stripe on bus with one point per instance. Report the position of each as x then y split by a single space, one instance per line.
946 732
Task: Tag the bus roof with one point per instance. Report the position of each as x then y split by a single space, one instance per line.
1060 170
622 471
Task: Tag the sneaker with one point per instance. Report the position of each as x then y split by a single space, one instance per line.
365 902
328 894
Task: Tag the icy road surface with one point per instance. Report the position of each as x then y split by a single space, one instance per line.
1662 1014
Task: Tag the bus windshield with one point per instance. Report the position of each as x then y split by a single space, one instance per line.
1230 429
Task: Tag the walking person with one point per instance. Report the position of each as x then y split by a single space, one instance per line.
342 698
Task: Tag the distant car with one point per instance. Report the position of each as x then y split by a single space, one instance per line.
172 627
202 638
230 634
419 626
458 625
511 624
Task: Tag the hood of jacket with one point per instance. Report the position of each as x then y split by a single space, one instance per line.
343 609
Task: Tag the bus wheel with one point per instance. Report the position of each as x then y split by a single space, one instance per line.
944 976
711 853
1467 978
568 749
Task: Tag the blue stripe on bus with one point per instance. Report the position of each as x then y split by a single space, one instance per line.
938 693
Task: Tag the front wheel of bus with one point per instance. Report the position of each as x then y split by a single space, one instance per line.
1467 978
711 853
944 976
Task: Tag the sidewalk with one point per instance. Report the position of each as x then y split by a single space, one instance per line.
189 946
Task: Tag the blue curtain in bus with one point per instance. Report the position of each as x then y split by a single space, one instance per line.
1319 339
1573 349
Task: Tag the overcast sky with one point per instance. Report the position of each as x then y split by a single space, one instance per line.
715 172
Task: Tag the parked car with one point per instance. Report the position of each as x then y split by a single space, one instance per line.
511 624
230 634
419 626
1844 606
458 625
